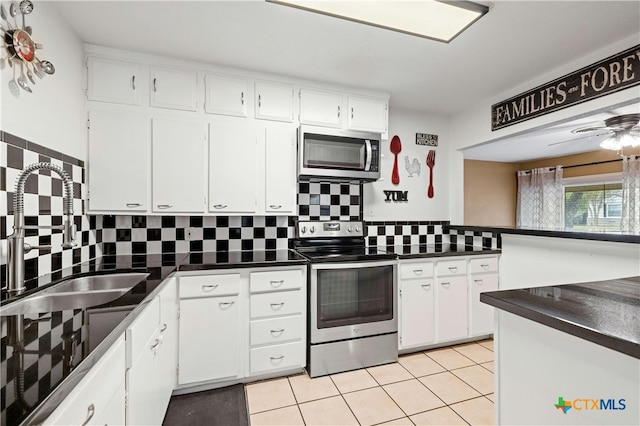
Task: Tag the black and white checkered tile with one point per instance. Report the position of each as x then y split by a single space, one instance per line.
43 206
182 234
394 233
488 240
329 201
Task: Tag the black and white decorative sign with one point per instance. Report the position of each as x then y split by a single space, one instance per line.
426 139
396 196
610 75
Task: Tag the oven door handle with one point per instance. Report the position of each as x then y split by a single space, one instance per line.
353 265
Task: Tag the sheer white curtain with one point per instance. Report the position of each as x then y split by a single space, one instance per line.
540 199
630 221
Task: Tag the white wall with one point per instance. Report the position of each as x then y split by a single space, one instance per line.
473 126
405 124
54 114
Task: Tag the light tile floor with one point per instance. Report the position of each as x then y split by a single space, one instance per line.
445 386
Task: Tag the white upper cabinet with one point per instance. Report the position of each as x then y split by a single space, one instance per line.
118 162
280 170
274 101
174 88
226 95
320 108
115 81
232 166
178 158
367 114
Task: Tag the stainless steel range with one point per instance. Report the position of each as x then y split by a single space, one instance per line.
352 298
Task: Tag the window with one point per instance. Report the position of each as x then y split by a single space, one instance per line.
593 207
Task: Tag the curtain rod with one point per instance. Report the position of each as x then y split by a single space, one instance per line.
588 164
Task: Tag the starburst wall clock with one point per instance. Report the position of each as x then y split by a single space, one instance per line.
20 50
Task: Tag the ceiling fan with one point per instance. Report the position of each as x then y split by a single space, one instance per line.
623 130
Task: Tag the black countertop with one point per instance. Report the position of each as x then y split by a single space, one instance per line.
603 312
417 251
558 233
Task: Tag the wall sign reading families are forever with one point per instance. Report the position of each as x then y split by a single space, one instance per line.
610 75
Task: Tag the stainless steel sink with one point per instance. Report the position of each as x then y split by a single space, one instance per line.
99 282
76 293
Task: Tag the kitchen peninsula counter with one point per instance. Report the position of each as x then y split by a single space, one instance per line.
572 349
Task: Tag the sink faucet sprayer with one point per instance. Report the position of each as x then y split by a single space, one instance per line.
16 245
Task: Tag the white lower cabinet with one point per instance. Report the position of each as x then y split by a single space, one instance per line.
99 399
240 323
150 375
210 334
440 299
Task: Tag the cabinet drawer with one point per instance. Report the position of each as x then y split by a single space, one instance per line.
276 280
277 304
416 270
277 330
452 267
485 264
278 357
209 285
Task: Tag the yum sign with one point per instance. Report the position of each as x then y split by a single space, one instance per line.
610 75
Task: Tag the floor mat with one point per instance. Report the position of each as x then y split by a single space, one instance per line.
224 406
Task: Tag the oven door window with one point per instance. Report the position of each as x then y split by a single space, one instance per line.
335 154
354 296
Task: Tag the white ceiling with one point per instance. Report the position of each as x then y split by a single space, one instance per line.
513 43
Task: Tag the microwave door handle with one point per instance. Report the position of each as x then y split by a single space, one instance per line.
367 164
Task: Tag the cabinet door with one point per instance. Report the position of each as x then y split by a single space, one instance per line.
168 352
113 81
99 397
481 314
320 108
274 101
209 346
232 167
280 170
226 95
416 312
118 162
174 88
178 148
451 295
367 114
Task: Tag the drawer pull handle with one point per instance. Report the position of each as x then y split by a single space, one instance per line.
277 358
219 206
132 205
275 206
426 286
165 206
276 284
226 304
241 98
453 268
417 271
91 410
277 332
209 287
277 306
477 281
133 82
164 327
447 285
484 266
156 343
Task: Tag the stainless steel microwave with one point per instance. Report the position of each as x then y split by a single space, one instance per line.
335 154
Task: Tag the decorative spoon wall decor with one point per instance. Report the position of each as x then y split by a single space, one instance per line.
20 47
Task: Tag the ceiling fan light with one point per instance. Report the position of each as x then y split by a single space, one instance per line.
619 140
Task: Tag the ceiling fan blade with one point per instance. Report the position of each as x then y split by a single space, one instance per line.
588 136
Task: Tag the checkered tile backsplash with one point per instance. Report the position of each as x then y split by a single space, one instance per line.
405 233
43 202
329 201
489 240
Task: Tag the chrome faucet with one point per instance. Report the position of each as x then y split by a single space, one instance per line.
16 245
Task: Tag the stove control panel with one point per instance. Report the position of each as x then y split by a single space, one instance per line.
315 229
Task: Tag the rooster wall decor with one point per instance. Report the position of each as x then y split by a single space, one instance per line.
413 167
